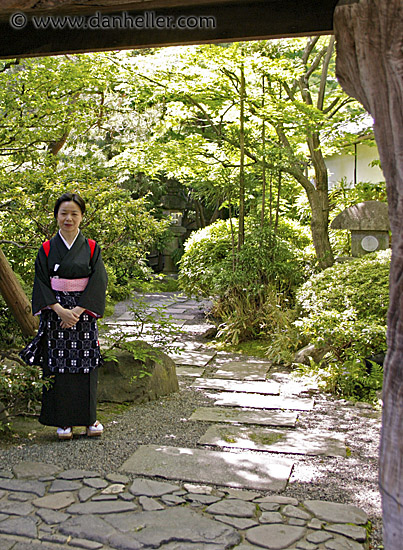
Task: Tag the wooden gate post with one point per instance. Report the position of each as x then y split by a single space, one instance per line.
16 298
369 66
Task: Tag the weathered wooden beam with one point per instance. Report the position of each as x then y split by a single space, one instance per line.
223 22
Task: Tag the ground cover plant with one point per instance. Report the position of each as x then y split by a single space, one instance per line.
342 311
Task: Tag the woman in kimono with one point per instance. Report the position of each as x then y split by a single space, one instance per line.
69 294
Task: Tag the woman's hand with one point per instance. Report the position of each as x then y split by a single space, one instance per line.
69 317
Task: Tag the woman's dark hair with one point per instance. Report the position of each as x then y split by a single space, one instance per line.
67 197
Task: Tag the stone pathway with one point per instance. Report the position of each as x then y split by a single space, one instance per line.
220 495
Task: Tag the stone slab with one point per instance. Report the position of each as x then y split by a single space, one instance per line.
274 536
56 501
243 370
275 441
23 486
245 386
32 470
255 401
336 513
193 358
179 525
239 416
241 470
189 371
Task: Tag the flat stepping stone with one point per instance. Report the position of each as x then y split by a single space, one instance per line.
195 372
32 470
246 386
243 370
255 401
247 416
275 441
194 358
242 470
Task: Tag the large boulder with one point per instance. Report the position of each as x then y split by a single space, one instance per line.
137 381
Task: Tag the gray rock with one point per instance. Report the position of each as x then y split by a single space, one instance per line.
294 512
3 517
336 513
104 498
56 501
271 517
150 504
2 493
21 527
124 542
151 488
108 507
89 528
341 543
86 544
126 496
232 507
304 545
269 506
20 497
174 525
95 483
6 544
32 470
315 523
61 485
54 539
201 499
22 486
242 494
16 509
351 531
172 500
117 478
275 537
296 521
279 499
86 493
238 523
319 537
114 489
6 474
121 382
198 489
51 517
77 474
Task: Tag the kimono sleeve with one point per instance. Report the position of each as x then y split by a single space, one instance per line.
93 297
42 294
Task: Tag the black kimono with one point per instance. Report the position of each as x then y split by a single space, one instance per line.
69 357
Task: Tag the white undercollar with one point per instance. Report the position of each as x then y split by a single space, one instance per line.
65 242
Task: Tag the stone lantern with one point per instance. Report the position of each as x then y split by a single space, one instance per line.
369 225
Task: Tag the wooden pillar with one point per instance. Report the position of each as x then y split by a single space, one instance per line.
369 36
16 298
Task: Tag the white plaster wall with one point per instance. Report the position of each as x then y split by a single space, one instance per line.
342 166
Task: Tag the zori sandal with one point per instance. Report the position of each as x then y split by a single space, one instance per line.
95 430
64 433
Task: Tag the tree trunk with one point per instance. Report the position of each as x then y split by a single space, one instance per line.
16 299
370 68
241 228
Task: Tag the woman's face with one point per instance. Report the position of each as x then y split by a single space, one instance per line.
69 218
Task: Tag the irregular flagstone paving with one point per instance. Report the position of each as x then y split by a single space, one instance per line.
245 416
275 441
144 513
266 388
211 500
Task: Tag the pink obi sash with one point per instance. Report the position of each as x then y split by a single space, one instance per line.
68 285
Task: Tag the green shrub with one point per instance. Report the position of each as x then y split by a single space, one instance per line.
20 384
252 288
343 310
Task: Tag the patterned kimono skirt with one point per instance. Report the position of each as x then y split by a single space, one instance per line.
69 359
